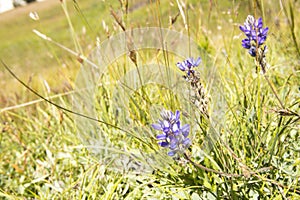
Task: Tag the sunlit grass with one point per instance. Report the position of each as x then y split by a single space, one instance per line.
43 154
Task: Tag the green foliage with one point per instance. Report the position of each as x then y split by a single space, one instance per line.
257 152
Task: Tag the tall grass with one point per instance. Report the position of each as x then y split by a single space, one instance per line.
248 149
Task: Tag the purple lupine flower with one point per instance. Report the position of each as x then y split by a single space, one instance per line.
193 62
174 136
188 65
255 33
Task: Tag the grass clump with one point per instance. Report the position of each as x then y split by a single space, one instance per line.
244 146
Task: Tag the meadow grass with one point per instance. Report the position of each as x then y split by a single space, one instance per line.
50 153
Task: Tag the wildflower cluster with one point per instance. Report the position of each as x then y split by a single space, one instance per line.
198 93
256 36
188 65
174 136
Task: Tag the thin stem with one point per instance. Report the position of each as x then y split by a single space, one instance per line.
210 170
274 92
258 68
223 173
66 109
242 175
275 140
258 101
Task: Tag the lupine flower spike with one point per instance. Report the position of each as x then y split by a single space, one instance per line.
188 65
174 136
199 96
256 36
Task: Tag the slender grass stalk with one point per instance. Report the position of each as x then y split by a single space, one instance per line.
80 57
275 139
259 103
73 32
34 102
258 70
58 106
274 91
291 22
